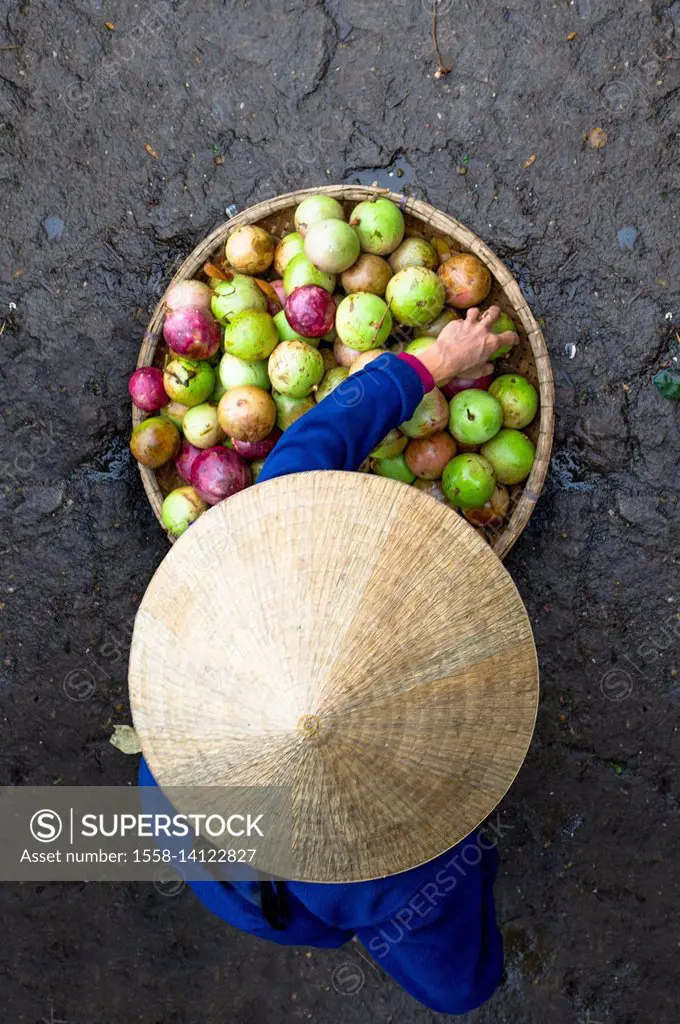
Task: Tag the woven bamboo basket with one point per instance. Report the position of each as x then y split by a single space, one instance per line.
529 358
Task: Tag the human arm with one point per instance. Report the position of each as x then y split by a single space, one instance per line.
342 430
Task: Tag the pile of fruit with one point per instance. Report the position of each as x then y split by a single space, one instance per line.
267 336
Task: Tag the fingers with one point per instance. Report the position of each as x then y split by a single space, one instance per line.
506 338
472 315
490 315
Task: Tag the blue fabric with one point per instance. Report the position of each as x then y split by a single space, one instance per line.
432 928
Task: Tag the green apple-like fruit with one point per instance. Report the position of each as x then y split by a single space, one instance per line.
431 415
288 409
235 373
301 271
468 481
189 381
474 416
511 454
201 426
251 336
395 468
518 398
181 508
295 369
330 381
315 209
286 332
236 296
379 225
503 324
392 444
332 246
363 321
415 296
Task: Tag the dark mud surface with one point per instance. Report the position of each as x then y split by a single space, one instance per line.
295 94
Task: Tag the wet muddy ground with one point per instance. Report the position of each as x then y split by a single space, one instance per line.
126 130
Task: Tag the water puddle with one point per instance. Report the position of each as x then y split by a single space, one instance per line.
394 177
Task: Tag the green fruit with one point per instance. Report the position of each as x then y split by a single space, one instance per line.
290 246
518 398
430 416
415 296
395 468
419 345
379 225
434 329
301 271
251 335
188 381
330 381
332 246
468 480
474 416
181 508
295 368
392 444
511 454
504 323
219 390
236 296
315 209
236 373
363 321
414 252
174 411
286 332
201 426
256 469
288 409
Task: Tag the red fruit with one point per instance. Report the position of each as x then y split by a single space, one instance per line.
218 473
310 310
192 332
427 457
253 450
457 384
184 463
146 389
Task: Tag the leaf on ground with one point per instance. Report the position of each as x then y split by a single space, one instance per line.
667 383
571 37
530 161
150 150
125 739
111 27
597 138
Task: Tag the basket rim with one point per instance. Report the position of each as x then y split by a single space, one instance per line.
433 218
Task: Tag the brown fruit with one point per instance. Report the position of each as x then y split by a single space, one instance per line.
428 456
466 279
154 441
247 413
369 274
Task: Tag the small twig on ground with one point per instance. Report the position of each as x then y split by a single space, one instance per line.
441 69
15 47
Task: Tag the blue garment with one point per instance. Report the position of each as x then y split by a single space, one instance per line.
432 928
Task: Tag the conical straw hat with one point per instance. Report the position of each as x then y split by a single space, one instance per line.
352 639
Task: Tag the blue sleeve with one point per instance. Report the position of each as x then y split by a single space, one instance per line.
341 431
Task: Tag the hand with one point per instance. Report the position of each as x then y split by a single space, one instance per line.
463 344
